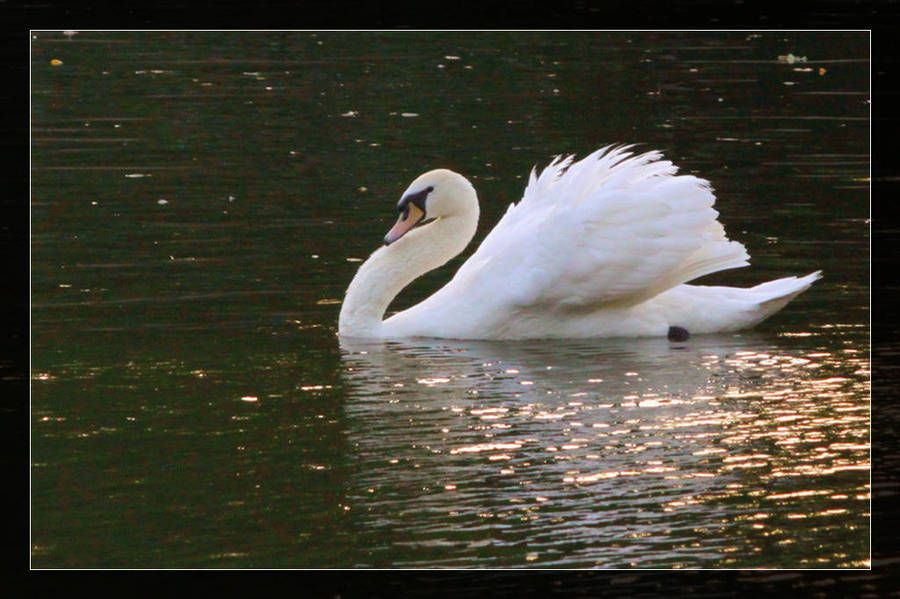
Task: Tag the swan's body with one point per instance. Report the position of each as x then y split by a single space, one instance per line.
602 247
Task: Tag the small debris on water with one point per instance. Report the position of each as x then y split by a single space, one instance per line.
791 59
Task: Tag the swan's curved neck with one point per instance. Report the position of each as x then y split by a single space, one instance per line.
391 268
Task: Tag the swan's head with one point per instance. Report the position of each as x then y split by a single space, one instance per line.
439 193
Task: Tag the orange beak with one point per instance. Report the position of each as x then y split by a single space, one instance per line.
410 217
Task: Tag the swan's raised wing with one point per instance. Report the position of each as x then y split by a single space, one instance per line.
613 229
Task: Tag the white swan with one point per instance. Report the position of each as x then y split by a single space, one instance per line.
601 247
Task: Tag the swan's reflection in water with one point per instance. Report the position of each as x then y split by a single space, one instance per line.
723 451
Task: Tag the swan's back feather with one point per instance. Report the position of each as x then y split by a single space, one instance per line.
611 230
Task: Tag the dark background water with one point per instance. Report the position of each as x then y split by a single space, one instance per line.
201 200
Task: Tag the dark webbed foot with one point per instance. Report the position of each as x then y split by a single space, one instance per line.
678 334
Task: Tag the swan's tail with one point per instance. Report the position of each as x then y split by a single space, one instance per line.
768 298
701 309
785 289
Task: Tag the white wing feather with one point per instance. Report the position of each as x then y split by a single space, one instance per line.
611 230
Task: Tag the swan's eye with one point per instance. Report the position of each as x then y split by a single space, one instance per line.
418 199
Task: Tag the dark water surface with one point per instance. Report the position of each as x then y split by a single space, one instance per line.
200 201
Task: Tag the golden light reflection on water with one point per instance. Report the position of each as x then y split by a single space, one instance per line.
757 435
